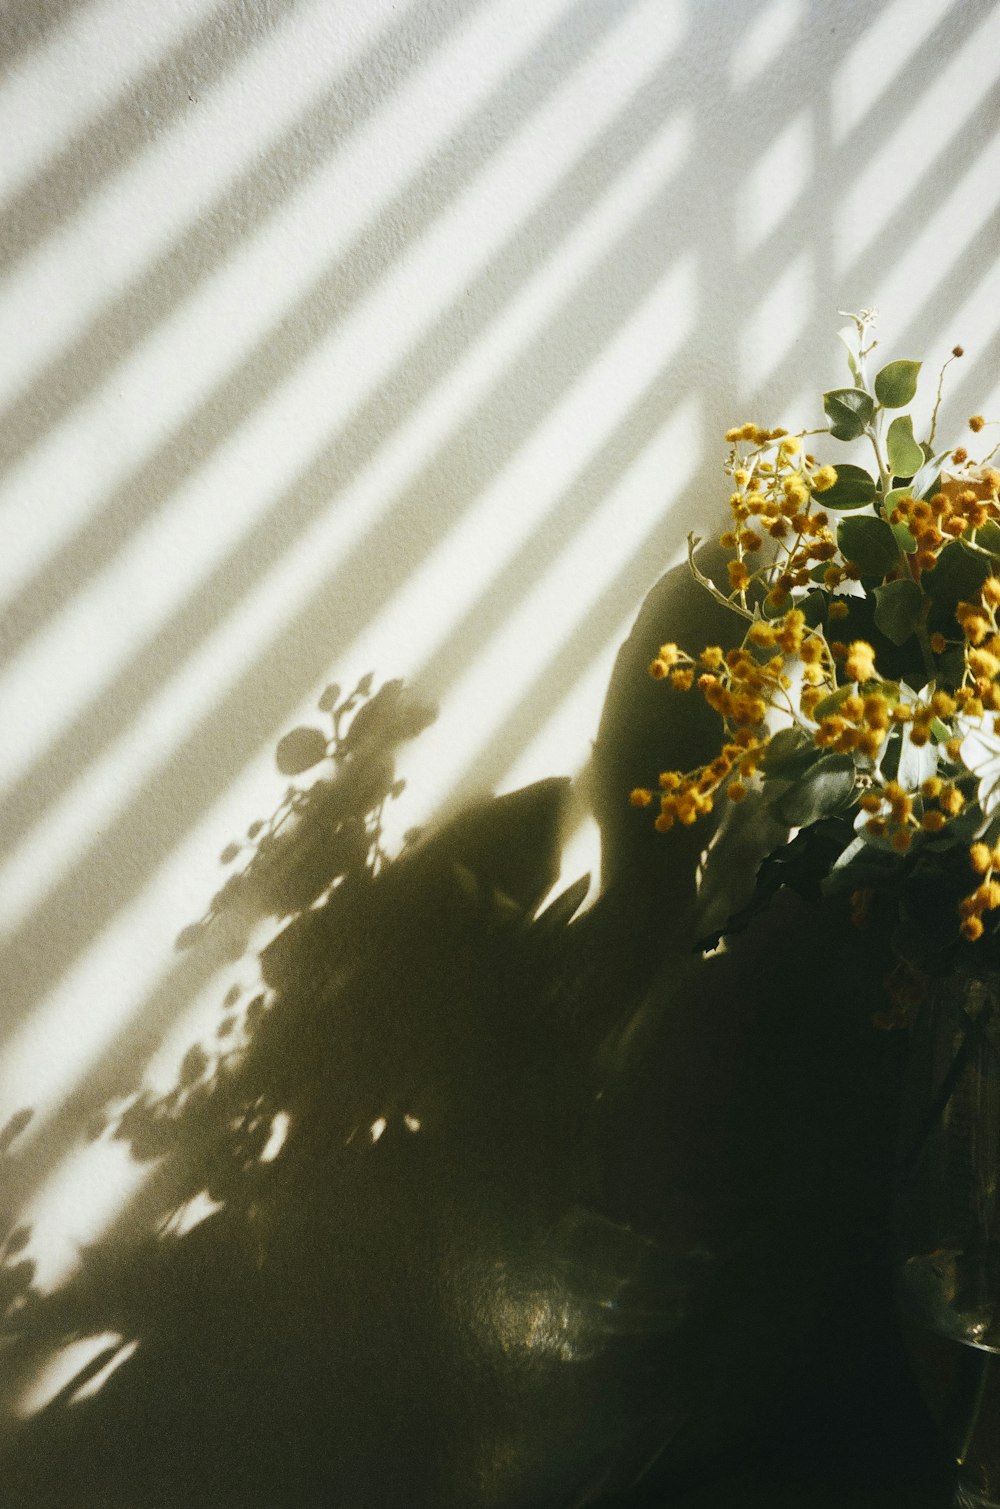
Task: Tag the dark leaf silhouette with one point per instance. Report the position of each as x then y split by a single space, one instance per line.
188 936
17 1241
194 1065
300 750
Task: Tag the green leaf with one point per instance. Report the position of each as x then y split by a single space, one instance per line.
788 753
822 791
988 536
958 575
895 497
848 410
905 456
896 384
829 705
813 605
869 543
927 478
854 488
898 608
904 538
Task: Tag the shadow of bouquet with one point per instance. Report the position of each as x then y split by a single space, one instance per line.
463 1204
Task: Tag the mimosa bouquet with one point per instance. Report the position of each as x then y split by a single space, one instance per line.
862 706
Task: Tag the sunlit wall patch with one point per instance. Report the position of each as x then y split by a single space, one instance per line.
92 1359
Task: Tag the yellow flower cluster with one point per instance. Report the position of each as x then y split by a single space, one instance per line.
897 815
740 688
959 506
783 546
860 723
986 896
978 621
773 498
755 434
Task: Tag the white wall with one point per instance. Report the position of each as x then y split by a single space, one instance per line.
340 335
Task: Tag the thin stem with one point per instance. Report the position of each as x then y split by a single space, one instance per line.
704 581
884 475
937 401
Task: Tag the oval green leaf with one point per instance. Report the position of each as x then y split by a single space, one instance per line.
988 537
824 790
928 478
905 456
849 410
829 705
958 575
787 754
896 384
854 488
898 607
869 543
813 605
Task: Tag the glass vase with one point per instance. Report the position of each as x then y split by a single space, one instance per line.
948 1222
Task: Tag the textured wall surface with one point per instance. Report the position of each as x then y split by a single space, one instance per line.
354 336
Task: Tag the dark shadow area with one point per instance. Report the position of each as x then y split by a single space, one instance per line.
516 1207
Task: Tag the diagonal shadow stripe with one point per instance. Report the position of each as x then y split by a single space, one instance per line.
255 196
480 303
114 1073
937 176
556 677
25 24
282 347
259 193
941 303
150 103
932 188
979 377
251 711
578 502
80 744
808 219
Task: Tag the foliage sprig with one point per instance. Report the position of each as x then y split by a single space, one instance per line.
866 686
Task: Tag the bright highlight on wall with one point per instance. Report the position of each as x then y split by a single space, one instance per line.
397 338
